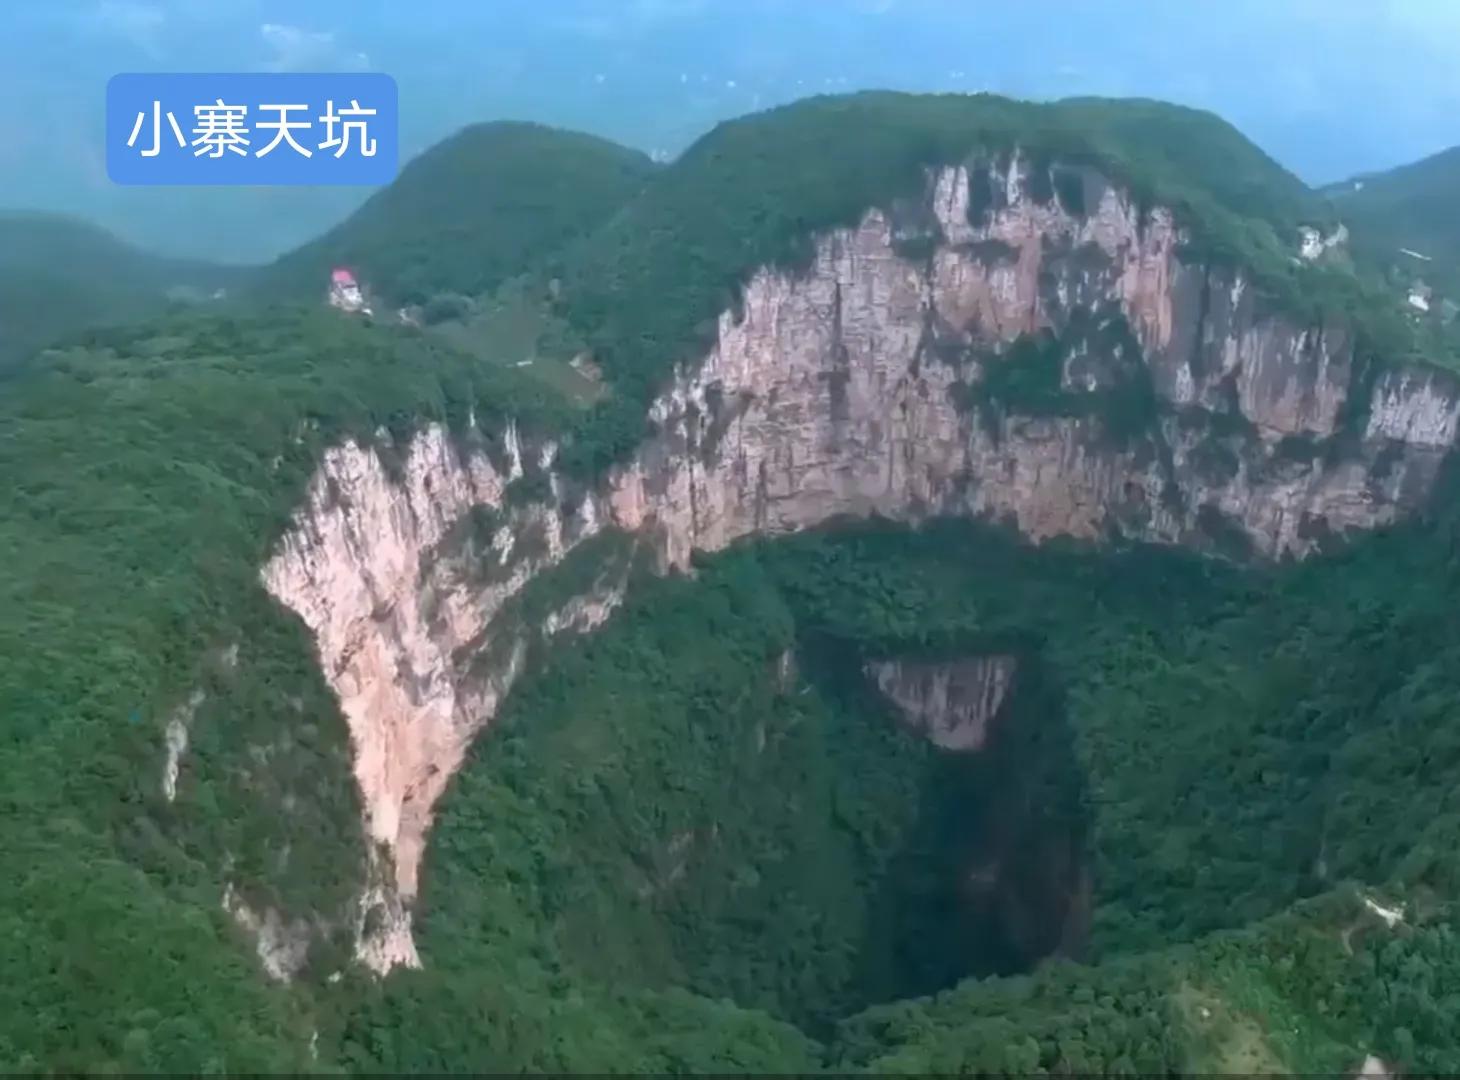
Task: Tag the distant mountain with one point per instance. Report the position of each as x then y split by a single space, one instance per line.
470 212
1414 207
59 275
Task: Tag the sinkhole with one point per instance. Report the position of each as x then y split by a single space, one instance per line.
807 833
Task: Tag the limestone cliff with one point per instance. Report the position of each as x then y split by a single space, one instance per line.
846 389
891 376
951 703
374 567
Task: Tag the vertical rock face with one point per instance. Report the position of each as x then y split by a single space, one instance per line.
847 389
398 621
1162 402
179 726
951 703
1415 408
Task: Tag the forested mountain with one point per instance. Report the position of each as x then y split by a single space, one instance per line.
992 613
59 276
1411 207
645 288
468 213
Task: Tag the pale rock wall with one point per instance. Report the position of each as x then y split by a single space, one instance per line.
584 613
951 703
176 734
1414 407
830 392
1374 1068
397 621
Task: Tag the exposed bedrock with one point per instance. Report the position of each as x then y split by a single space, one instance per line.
951 703
402 588
870 384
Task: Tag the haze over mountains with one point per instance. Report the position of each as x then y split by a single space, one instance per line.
60 274
1304 79
429 233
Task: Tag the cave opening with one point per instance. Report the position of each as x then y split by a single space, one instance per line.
719 796
981 871
991 876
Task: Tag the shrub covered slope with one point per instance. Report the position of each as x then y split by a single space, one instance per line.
59 275
469 213
1244 761
1412 207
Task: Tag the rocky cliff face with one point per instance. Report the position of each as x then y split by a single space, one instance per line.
1049 361
403 610
951 703
875 382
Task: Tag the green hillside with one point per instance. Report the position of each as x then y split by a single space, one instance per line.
148 470
59 276
469 213
1230 750
1416 207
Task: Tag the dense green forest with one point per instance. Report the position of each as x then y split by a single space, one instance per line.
1403 235
149 467
1410 207
148 471
59 276
469 213
699 839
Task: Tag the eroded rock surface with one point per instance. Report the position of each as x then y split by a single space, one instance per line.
951 703
845 390
400 621
282 946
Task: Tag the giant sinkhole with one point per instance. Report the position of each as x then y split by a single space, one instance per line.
703 797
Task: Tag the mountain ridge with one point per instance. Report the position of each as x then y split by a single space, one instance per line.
60 274
1411 206
469 212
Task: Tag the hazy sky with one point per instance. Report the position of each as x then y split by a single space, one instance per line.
1328 87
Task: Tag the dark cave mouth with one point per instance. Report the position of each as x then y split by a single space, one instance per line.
993 878
988 877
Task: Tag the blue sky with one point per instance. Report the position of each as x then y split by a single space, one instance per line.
1328 87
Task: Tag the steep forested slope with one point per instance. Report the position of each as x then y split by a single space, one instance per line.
707 795
59 276
1415 207
469 213
147 471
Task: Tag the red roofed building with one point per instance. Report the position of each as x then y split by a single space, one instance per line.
345 292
